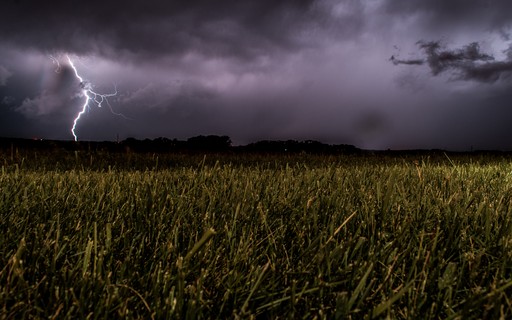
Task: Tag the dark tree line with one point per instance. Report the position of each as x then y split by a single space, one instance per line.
210 143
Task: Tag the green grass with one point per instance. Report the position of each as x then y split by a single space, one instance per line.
104 236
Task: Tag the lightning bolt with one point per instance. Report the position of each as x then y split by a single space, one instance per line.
90 97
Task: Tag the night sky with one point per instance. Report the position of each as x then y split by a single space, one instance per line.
377 74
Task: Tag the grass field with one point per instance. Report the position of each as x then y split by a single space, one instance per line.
172 236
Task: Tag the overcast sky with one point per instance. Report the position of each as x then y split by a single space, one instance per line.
377 74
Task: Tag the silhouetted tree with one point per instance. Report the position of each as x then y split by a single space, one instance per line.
209 143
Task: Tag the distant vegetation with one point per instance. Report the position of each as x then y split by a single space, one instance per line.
211 143
87 232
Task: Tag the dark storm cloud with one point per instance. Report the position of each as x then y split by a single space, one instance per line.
489 72
467 63
4 75
241 29
416 62
459 59
315 69
441 14
61 90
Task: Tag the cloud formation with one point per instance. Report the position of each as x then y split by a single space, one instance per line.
459 15
312 69
60 90
4 75
239 29
412 62
466 63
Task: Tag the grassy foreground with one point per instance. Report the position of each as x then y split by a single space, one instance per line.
347 238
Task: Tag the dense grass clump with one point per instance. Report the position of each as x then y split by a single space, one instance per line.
217 237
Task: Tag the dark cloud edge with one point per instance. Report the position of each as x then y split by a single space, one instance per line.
466 63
